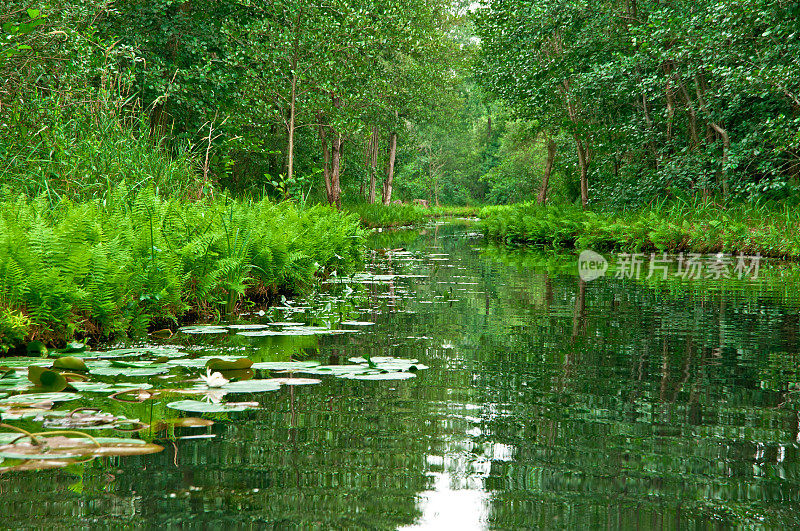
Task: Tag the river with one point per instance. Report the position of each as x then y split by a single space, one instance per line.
548 402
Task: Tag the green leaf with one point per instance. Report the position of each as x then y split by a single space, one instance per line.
70 363
198 406
47 379
217 364
40 397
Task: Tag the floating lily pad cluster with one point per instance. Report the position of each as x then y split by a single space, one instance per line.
288 328
68 394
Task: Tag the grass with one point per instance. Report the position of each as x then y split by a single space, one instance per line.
80 150
704 228
378 215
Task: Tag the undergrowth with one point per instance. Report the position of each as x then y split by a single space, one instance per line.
379 215
704 228
134 260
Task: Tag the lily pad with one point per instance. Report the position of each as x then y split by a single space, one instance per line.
218 364
129 371
212 329
36 347
356 323
379 376
184 422
285 332
339 369
47 379
34 398
100 387
74 346
296 381
247 326
251 386
170 352
284 365
60 447
70 363
198 406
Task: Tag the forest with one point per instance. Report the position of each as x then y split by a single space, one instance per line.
400 264
620 125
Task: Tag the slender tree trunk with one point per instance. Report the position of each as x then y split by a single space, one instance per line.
387 184
551 155
692 115
290 149
726 147
336 159
721 131
373 153
293 99
670 109
584 159
326 160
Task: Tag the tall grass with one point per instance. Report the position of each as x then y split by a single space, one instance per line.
771 230
61 147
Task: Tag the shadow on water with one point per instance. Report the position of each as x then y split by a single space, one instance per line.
549 402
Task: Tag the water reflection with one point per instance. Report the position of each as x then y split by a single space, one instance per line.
550 402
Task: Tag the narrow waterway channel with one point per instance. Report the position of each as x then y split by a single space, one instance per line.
547 402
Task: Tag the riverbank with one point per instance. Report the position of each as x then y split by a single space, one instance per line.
674 228
128 263
374 216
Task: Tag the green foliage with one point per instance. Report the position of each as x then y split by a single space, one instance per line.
387 215
14 327
106 267
83 149
678 227
656 92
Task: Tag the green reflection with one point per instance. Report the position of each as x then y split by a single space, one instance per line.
557 403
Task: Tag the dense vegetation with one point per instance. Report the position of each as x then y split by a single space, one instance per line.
659 99
103 268
678 227
135 135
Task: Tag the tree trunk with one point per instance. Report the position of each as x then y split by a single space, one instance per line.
723 133
293 99
387 184
336 159
692 115
584 159
670 110
290 150
326 160
373 163
551 155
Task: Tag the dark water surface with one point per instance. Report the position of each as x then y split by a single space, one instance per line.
549 403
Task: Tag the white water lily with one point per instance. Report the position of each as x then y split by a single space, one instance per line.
214 379
214 396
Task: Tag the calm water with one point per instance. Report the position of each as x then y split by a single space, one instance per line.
548 403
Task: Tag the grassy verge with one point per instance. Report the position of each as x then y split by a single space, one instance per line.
378 215
771 232
132 261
